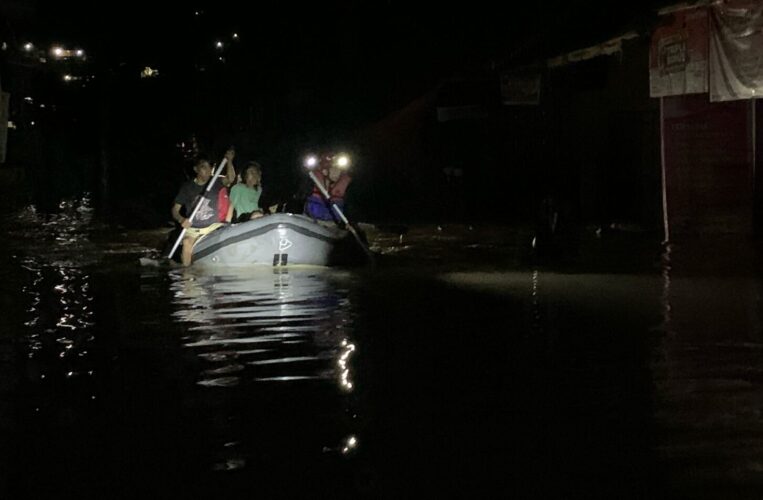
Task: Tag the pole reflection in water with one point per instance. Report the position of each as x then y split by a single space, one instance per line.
707 371
273 334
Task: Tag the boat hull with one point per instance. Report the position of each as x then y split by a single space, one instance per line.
273 240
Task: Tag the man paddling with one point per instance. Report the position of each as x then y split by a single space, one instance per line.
207 217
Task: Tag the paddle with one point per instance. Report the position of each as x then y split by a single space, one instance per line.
341 215
198 204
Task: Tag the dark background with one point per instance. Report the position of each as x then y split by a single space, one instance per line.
365 77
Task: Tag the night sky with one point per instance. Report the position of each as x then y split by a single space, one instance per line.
294 76
341 46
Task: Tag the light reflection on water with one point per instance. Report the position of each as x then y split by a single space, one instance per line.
265 325
286 331
59 316
273 352
254 370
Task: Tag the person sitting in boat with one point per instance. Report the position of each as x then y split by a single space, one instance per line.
245 196
331 171
207 218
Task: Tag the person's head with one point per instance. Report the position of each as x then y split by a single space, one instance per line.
335 173
252 174
203 169
334 165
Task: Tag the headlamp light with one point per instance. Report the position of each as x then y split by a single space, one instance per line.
311 162
342 161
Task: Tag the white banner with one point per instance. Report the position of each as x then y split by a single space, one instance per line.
520 89
678 55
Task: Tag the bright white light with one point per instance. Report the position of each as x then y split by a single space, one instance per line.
80 53
28 99
311 161
149 72
350 443
343 161
28 46
219 44
31 123
57 51
235 36
68 78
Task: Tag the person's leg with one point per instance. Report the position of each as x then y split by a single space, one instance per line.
187 251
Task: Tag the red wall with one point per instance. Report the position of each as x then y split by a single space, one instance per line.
708 162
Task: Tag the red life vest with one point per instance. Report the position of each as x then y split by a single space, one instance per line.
223 203
336 189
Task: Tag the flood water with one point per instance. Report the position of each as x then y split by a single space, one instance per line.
454 368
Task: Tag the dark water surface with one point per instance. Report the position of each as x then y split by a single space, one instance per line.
452 369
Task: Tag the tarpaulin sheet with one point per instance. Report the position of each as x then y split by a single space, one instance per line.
736 50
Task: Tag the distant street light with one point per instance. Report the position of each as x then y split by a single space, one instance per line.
28 47
235 36
219 44
59 52
149 72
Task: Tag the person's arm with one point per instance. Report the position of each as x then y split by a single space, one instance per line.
231 205
185 223
230 170
257 212
235 198
339 189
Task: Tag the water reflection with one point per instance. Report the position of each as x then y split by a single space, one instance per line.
282 336
265 326
59 317
707 371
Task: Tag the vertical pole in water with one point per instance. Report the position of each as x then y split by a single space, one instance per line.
666 227
756 209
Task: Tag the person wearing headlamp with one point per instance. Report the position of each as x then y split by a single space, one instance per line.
332 172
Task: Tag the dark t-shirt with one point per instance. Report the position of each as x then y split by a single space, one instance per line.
188 196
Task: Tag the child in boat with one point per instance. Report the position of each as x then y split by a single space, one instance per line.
245 196
191 193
